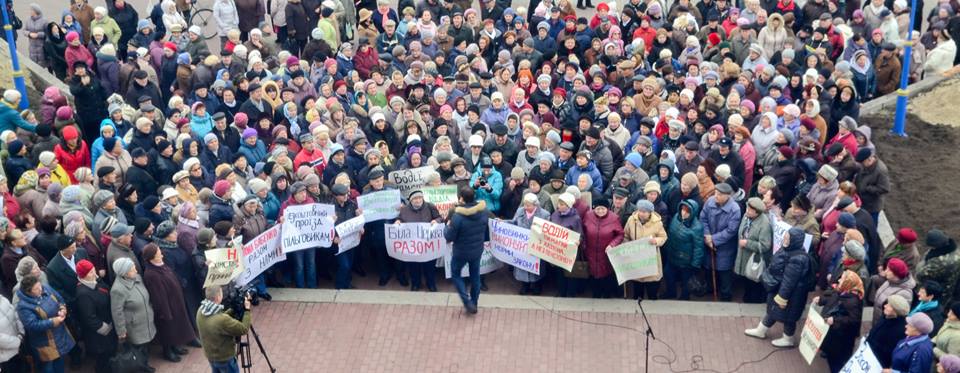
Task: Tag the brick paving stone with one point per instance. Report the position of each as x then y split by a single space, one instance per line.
333 337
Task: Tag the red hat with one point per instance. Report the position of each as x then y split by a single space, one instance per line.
786 151
560 92
808 124
170 45
898 267
70 133
338 84
570 18
64 112
603 6
713 38
221 187
906 236
83 268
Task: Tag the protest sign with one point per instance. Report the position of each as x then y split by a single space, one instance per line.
307 226
444 197
415 242
884 230
814 331
410 179
634 260
508 243
780 229
380 205
260 253
349 233
553 243
488 263
225 265
863 360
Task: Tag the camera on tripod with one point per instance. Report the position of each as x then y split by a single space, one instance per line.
234 299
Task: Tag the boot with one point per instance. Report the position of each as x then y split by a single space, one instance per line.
170 355
759 332
179 350
194 343
786 341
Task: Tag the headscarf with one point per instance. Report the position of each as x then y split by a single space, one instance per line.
850 282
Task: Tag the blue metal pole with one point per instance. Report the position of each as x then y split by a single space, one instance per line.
17 74
899 124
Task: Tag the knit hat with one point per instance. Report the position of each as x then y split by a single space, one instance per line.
645 205
220 188
950 363
122 265
109 143
164 229
921 322
689 179
651 186
47 157
567 199
937 238
855 250
863 154
83 268
101 197
15 146
723 171
906 236
898 267
257 185
847 220
205 236
900 305
71 194
222 228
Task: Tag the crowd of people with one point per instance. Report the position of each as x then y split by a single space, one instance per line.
701 127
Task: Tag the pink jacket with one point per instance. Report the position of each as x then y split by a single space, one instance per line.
76 53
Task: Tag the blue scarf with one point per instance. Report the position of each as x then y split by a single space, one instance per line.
924 306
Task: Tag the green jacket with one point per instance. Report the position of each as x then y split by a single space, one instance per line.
759 241
218 333
111 30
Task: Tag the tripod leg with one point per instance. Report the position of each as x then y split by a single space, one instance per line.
256 337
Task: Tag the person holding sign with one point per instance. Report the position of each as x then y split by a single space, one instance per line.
252 222
784 281
843 310
467 230
166 296
345 209
375 238
601 231
566 216
523 218
419 211
304 261
645 224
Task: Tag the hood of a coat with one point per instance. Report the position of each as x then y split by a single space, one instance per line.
479 207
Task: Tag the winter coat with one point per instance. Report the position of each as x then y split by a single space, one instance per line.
167 300
759 235
884 336
467 230
947 340
520 219
39 26
93 316
116 251
492 196
220 210
789 267
297 24
685 247
177 259
11 330
77 53
218 331
63 278
822 197
939 60
71 160
225 12
913 355
721 223
903 288
847 312
35 314
599 233
132 310
121 163
253 14
872 183
573 174
653 228
888 74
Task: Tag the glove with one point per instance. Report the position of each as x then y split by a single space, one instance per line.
780 301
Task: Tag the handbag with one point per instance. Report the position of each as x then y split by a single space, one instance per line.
128 360
754 268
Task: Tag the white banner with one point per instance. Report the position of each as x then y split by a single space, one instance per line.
863 360
349 233
410 179
444 197
814 331
261 253
225 265
780 229
508 243
553 243
488 263
380 205
415 242
307 226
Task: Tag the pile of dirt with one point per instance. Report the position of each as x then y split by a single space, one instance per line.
939 105
924 169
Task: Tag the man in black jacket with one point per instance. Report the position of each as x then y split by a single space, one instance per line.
62 275
139 174
93 314
467 230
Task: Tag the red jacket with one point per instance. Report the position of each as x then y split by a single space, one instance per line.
71 161
315 158
598 234
849 143
365 62
77 53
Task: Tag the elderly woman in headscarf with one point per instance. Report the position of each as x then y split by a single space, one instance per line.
84 177
105 203
71 200
27 266
79 233
28 194
188 225
842 309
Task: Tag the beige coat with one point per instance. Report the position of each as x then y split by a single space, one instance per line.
653 228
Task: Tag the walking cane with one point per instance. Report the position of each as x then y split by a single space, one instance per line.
713 270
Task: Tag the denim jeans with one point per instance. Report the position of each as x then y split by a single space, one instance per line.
456 266
55 366
429 272
229 366
344 264
305 261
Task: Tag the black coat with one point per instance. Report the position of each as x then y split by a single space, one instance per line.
884 336
90 101
62 278
143 181
847 313
789 266
92 311
297 21
170 312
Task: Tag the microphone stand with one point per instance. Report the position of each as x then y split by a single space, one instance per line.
648 334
